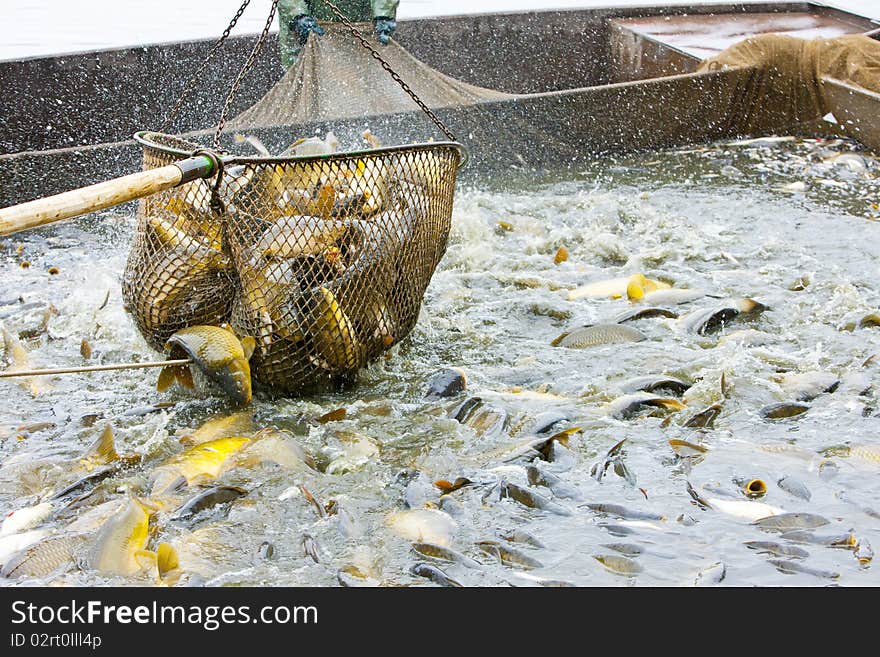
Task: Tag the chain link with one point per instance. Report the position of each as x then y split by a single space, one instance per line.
196 77
394 76
233 90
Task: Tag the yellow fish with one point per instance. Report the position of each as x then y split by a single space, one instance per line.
204 461
334 333
119 547
219 427
633 287
218 353
639 285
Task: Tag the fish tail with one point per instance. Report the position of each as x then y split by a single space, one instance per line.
166 559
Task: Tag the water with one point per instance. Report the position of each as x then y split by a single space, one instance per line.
45 27
725 219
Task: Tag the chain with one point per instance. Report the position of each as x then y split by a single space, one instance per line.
394 76
196 77
233 90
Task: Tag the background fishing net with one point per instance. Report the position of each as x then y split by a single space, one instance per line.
785 87
336 78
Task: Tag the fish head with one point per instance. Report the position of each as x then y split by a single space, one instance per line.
220 355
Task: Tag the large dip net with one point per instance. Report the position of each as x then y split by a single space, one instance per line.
323 257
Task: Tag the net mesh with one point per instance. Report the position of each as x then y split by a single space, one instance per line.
335 78
323 260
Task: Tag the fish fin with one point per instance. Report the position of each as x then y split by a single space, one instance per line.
616 448
333 416
185 377
103 450
166 379
724 387
562 436
145 559
166 559
248 344
562 337
667 402
699 499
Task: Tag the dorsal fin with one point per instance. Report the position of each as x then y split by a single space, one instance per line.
103 450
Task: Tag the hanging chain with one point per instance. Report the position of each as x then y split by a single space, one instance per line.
196 77
394 76
233 90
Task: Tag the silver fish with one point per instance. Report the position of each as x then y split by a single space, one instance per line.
794 567
531 499
711 575
623 512
777 549
783 410
627 406
794 487
636 312
784 522
598 334
708 320
619 565
434 574
654 383
448 382
806 386
508 555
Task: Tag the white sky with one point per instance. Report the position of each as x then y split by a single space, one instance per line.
42 27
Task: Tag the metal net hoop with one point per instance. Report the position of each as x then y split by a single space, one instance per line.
324 260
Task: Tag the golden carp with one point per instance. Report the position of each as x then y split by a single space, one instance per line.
299 236
218 353
333 333
616 288
223 426
639 285
870 453
119 547
181 235
176 288
205 461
